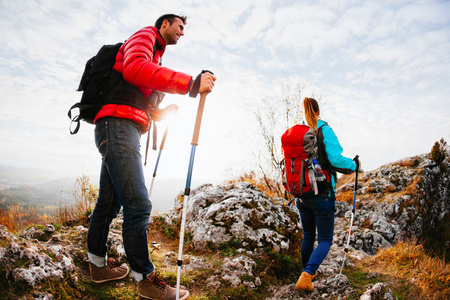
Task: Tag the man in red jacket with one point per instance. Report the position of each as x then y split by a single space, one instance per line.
119 125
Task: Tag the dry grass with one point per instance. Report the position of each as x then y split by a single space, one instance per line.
407 262
263 184
346 197
85 196
409 162
346 179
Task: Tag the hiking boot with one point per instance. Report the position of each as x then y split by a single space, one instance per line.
154 288
304 283
108 273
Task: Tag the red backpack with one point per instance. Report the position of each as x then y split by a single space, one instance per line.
299 147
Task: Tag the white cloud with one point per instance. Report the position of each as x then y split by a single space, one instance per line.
383 66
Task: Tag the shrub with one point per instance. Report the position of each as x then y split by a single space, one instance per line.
85 196
439 151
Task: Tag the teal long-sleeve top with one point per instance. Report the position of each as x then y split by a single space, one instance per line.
334 150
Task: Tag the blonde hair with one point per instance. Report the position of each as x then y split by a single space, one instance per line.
311 112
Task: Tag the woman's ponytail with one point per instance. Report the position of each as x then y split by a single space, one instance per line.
311 112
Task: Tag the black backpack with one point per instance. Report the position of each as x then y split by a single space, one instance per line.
97 82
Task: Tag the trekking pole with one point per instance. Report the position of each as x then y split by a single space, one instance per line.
187 190
356 159
157 160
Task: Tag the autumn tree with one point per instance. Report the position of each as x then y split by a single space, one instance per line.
273 116
85 196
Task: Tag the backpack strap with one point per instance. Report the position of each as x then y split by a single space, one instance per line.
300 184
75 119
292 172
312 180
156 105
325 163
156 46
323 157
284 178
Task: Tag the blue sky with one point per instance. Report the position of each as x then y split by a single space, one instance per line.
383 68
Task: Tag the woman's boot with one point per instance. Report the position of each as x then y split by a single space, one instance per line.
304 283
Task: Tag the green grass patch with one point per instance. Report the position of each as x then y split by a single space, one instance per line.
235 293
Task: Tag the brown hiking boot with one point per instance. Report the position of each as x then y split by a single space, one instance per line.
154 288
304 283
108 273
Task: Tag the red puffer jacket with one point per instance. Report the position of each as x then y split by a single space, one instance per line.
134 61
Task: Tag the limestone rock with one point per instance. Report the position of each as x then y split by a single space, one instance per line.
239 213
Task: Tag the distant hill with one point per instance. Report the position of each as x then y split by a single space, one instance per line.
14 176
40 188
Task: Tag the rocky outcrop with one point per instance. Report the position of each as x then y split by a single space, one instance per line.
42 253
408 198
31 261
402 200
239 213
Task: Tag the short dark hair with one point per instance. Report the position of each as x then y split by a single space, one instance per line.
170 18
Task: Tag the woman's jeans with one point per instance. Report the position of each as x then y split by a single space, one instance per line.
122 184
317 212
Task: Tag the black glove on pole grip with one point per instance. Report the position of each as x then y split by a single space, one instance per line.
196 86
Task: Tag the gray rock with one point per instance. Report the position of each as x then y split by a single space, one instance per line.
239 213
238 271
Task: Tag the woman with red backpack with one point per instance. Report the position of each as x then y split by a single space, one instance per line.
317 211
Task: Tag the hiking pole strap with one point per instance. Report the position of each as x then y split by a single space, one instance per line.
155 135
146 146
198 120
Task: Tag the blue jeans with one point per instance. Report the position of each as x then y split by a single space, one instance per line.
122 184
317 212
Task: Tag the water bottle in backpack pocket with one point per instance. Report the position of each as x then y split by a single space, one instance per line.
318 171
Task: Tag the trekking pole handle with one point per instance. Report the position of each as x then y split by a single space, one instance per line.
356 160
198 120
